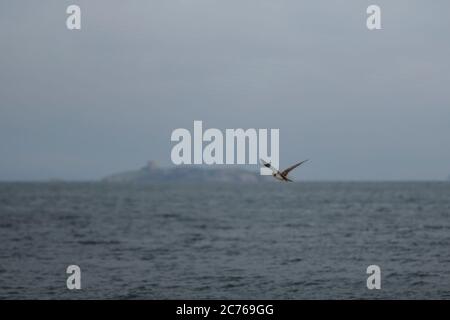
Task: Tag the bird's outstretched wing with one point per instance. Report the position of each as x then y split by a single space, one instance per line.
285 172
268 165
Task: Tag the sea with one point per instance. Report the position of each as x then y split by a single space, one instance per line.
303 240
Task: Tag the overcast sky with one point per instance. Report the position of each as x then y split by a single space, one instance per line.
360 104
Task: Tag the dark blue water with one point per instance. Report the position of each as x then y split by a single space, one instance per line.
265 241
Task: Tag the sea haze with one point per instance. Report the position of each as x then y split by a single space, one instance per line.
263 240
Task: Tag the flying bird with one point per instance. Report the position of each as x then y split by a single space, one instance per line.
283 174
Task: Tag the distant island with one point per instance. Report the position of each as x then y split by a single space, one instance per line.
152 173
